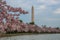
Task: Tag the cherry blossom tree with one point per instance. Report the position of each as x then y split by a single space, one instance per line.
11 22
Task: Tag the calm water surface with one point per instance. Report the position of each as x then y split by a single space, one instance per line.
34 37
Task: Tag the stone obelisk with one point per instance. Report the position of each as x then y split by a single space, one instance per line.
32 19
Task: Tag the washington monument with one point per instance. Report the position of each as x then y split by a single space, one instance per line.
32 16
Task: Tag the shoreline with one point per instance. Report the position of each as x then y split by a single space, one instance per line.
20 34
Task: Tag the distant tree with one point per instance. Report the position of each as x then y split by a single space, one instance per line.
20 20
31 23
44 26
57 27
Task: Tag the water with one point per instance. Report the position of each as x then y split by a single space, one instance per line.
34 37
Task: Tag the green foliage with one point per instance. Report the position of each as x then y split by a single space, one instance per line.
44 26
57 27
21 21
31 23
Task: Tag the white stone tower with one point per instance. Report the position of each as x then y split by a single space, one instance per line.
32 16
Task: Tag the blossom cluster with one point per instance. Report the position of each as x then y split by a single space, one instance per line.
11 22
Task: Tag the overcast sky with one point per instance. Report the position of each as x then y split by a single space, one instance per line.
47 12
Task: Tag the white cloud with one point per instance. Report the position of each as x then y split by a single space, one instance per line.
48 2
41 1
42 7
53 1
57 11
20 3
50 19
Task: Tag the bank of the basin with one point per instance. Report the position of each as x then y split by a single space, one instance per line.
34 37
20 34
